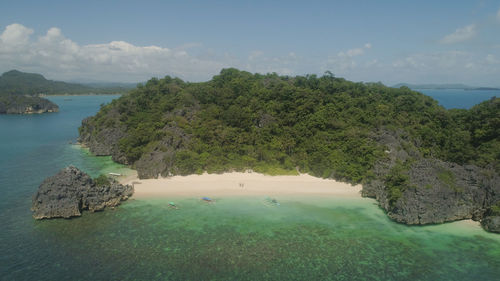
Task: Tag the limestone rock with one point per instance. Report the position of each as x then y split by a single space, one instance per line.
71 191
491 223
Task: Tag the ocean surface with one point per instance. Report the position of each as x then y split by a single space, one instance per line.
455 98
233 239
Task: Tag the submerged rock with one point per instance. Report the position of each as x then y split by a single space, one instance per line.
71 191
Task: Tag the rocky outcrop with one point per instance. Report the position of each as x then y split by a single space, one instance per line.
103 141
435 191
157 161
442 191
71 191
491 223
10 104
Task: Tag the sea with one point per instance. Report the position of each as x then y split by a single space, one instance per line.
461 99
234 239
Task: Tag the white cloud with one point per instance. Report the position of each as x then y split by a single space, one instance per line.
58 57
491 59
15 34
447 67
460 35
53 54
344 62
356 51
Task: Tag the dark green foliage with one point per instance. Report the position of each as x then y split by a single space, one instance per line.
325 125
102 180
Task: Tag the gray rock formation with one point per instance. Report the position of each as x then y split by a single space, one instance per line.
71 191
103 142
491 223
436 191
159 160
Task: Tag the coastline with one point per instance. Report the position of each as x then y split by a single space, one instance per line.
236 184
253 184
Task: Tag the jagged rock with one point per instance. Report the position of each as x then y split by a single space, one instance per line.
491 223
437 191
103 142
71 191
157 161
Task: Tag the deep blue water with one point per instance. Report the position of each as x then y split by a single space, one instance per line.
234 239
453 98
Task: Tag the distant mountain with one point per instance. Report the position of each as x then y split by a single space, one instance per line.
111 85
484 89
434 86
15 82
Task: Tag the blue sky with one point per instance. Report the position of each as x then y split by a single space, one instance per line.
129 41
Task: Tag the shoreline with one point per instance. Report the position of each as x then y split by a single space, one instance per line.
234 184
227 185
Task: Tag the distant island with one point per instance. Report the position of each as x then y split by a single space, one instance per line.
424 164
18 104
21 83
22 93
444 87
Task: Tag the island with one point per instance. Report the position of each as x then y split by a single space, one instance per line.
16 82
23 93
20 104
422 163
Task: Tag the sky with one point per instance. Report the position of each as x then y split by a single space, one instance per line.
371 41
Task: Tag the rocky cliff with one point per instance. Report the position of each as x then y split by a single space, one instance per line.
71 191
11 104
430 191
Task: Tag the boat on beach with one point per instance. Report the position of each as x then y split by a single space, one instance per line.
207 199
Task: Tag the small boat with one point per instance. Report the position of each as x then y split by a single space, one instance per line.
115 174
207 199
172 205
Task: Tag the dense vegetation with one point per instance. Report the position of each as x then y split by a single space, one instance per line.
325 126
19 83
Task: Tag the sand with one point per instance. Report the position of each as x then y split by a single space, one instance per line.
239 184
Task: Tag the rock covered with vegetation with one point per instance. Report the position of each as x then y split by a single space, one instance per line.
71 191
15 104
417 190
423 163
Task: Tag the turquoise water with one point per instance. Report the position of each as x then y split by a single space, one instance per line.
453 98
233 239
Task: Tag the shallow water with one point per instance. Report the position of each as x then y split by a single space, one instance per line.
233 239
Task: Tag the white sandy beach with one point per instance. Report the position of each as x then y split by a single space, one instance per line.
239 184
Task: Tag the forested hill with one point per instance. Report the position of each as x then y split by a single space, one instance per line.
15 82
386 138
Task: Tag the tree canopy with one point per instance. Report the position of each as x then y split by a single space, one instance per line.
326 126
